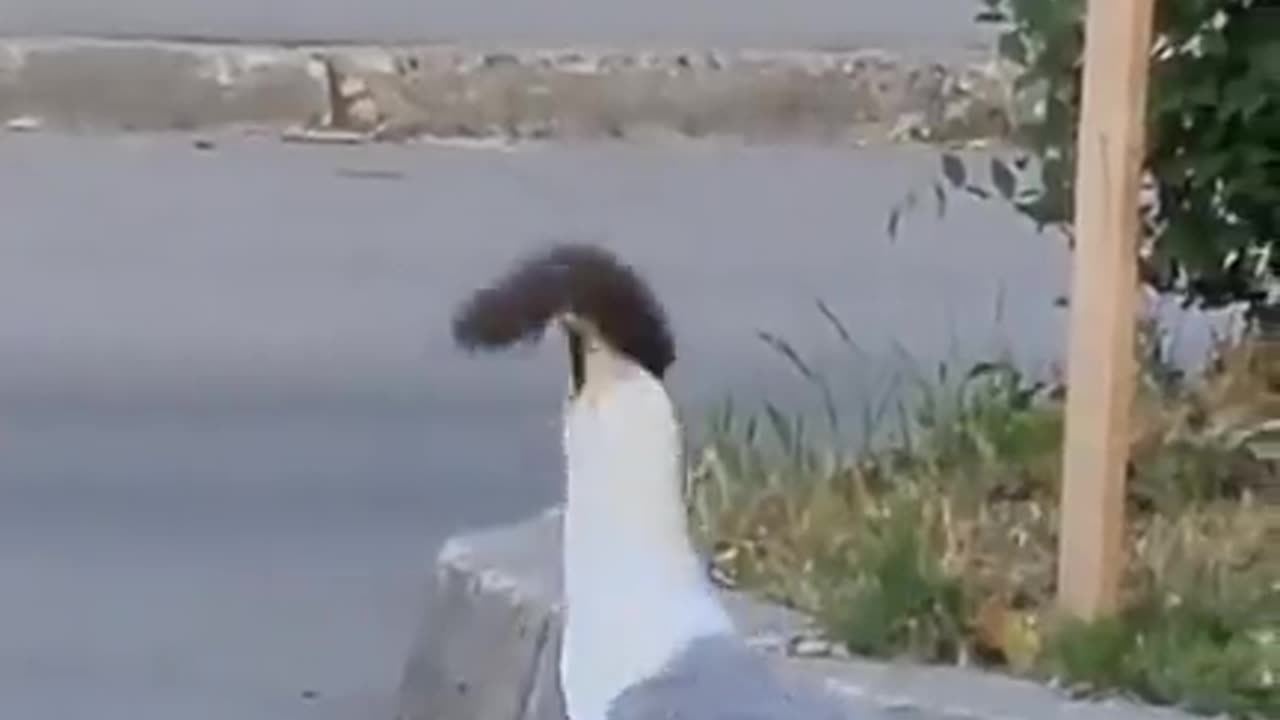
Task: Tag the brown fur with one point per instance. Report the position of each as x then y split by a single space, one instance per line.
583 280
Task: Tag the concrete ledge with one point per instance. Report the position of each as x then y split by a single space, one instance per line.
489 639
83 84
447 91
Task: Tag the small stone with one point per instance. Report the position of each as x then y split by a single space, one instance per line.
323 136
24 123
363 113
495 59
772 643
807 646
909 127
370 174
350 84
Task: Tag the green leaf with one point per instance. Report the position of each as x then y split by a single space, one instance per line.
1002 177
953 169
1245 96
991 12
1214 119
1213 44
1265 59
1026 194
1012 48
940 198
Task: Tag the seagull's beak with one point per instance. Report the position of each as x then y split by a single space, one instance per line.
572 324
575 330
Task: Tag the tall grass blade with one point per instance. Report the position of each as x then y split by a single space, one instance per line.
783 348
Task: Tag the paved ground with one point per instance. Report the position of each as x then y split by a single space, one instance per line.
928 23
232 425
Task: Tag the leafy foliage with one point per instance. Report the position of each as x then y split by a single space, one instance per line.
1194 634
1211 218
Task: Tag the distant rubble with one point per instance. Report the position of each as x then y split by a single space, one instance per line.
372 93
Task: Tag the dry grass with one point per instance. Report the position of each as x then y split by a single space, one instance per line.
937 541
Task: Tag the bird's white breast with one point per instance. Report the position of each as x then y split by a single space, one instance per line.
636 593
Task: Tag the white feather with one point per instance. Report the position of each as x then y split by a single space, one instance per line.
636 592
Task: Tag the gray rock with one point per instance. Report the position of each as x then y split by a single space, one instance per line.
488 646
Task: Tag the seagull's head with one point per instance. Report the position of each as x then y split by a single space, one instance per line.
606 312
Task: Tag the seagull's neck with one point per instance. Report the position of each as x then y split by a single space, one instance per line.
636 592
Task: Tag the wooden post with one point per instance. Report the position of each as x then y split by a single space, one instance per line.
1104 289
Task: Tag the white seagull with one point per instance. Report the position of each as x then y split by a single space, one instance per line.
645 637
